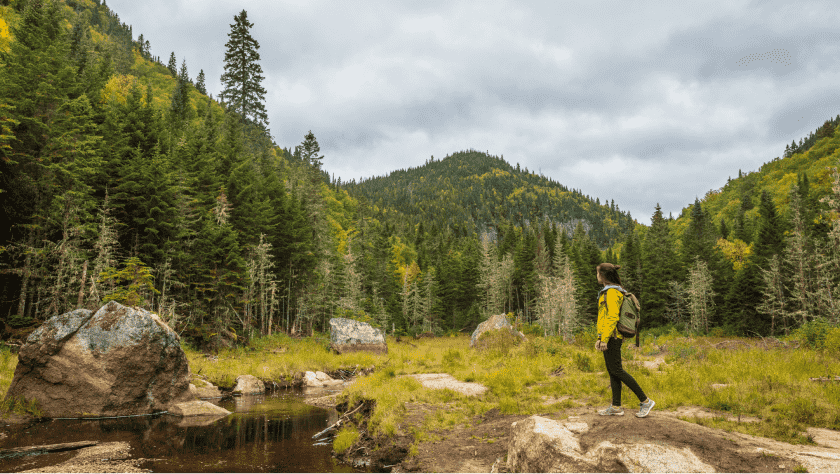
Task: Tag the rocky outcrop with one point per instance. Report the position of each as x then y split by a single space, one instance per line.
319 379
248 384
197 408
540 444
347 335
116 361
497 322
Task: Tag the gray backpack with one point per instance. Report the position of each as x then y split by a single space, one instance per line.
629 315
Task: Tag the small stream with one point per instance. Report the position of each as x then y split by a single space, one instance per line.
265 433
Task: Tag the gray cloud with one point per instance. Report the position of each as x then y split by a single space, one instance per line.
678 97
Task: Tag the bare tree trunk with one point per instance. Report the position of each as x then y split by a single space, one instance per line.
82 287
27 269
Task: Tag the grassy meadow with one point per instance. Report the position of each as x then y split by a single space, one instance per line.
545 375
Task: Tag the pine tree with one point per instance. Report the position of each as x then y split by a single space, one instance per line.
173 65
241 81
181 108
199 83
659 264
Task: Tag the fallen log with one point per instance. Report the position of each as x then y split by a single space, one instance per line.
338 423
48 447
825 379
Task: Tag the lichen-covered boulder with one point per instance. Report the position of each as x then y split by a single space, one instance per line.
117 361
248 385
497 322
347 335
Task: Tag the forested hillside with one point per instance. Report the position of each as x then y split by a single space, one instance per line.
471 191
121 178
760 256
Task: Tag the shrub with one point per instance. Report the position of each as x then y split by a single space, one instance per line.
501 341
586 336
531 329
583 362
813 333
832 341
344 439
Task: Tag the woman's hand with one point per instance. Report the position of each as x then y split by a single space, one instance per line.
600 346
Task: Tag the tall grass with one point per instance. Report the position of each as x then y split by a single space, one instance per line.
546 375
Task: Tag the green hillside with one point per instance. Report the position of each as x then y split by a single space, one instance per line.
120 178
761 255
472 191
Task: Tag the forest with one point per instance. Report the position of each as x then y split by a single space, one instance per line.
121 178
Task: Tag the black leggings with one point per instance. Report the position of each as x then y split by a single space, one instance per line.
612 356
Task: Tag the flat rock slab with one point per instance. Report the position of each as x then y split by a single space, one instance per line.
197 408
440 381
539 444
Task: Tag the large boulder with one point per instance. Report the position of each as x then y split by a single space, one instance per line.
540 444
497 322
117 361
249 385
347 335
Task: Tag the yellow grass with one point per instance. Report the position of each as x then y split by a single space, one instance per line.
770 384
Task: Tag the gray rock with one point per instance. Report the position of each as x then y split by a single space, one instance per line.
205 391
497 322
319 379
117 361
197 408
347 335
248 384
540 444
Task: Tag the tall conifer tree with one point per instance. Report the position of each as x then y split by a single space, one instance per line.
241 81
660 268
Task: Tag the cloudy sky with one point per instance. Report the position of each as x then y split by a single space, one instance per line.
630 101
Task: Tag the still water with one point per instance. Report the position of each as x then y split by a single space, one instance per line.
265 433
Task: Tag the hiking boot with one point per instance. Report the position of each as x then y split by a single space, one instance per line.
611 410
644 408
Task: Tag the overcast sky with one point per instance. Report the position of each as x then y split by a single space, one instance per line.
597 95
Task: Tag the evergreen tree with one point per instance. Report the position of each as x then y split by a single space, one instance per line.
659 264
631 263
173 65
199 83
746 292
241 81
181 108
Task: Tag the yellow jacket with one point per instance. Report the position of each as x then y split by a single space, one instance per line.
609 305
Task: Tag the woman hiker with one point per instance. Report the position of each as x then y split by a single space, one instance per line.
609 341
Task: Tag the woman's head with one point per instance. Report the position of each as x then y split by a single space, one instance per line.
608 273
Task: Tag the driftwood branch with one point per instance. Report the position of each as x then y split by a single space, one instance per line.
48 447
338 423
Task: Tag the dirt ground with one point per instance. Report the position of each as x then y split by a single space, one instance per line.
482 445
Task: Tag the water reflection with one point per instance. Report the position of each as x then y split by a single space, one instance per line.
265 433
